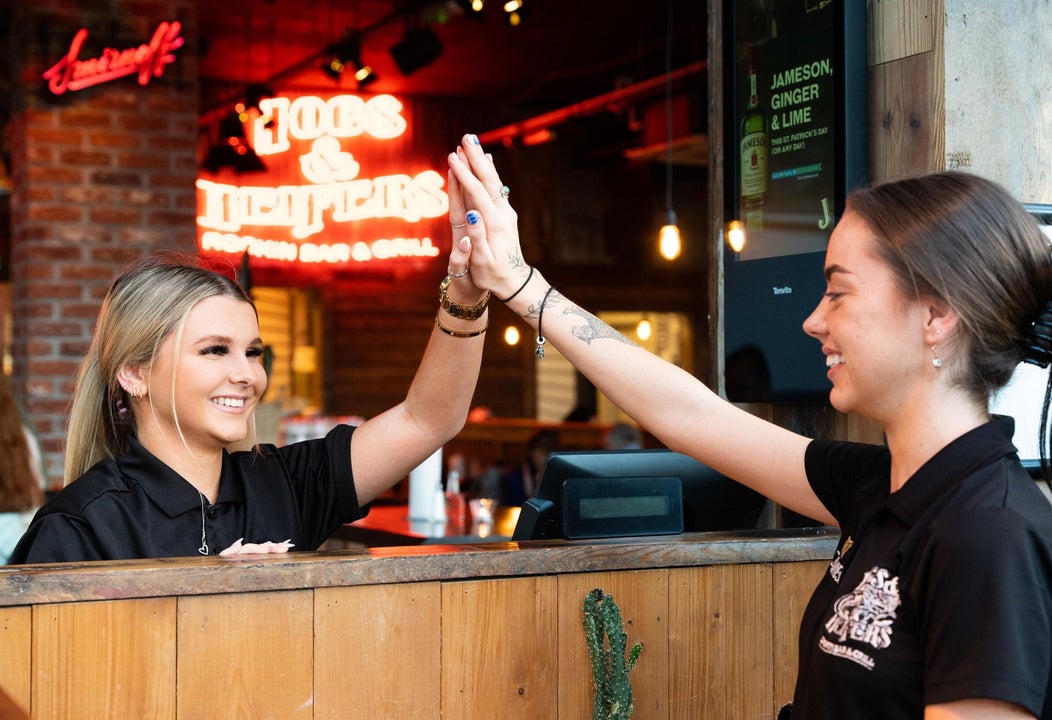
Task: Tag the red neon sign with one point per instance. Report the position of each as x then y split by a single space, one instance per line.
147 61
321 199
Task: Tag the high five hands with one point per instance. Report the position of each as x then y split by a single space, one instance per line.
477 194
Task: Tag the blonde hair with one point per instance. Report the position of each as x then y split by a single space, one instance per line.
143 307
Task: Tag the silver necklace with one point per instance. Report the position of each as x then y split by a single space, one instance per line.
204 535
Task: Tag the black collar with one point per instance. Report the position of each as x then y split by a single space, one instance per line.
168 489
975 449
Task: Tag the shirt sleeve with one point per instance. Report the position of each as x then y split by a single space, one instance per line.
996 593
838 470
56 537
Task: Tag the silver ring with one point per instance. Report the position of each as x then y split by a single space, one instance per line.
457 227
505 192
456 275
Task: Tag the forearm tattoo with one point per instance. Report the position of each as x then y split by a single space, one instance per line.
517 260
592 329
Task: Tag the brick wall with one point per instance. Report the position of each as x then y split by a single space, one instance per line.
101 176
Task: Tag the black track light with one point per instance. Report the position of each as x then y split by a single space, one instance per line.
232 149
420 47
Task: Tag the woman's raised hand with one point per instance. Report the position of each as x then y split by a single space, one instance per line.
496 256
463 231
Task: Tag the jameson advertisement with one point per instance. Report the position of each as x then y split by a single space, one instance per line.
784 100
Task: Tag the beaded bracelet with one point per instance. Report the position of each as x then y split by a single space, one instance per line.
458 333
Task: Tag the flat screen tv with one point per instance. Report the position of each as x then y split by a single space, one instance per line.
619 493
794 99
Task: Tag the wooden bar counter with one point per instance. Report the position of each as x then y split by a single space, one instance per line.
490 630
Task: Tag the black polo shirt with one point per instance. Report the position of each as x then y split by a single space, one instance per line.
945 590
138 507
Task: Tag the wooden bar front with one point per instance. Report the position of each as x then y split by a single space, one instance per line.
467 631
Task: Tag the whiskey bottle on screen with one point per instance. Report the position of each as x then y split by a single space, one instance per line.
753 170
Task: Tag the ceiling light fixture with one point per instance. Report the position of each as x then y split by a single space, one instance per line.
472 9
232 149
418 48
514 12
347 54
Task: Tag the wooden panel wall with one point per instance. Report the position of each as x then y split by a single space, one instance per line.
716 646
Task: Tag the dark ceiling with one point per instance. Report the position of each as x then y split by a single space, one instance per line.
563 51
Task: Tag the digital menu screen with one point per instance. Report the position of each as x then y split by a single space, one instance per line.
795 143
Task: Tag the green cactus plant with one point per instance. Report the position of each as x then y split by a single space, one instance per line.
607 642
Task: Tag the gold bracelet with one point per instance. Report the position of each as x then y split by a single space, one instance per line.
457 333
463 312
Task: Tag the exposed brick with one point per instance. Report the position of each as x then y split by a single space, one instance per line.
52 174
52 255
57 407
116 216
83 234
40 193
39 349
146 197
87 271
87 117
54 213
37 311
40 154
78 348
38 271
39 388
58 368
114 139
86 194
172 219
114 100
172 180
145 237
117 178
55 136
117 256
86 310
86 157
54 291
148 160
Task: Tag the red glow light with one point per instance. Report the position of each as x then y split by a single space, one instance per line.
147 61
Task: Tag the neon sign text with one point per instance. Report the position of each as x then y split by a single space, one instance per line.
147 61
340 252
310 117
296 220
302 208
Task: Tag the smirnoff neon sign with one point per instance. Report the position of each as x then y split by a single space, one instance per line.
292 221
146 61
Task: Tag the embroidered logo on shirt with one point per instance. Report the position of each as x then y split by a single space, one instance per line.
863 616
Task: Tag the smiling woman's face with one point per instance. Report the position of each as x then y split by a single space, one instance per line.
872 335
205 382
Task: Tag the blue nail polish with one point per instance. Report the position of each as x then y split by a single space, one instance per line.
473 217
474 140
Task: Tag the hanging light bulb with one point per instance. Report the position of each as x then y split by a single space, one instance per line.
669 242
670 245
511 335
643 330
